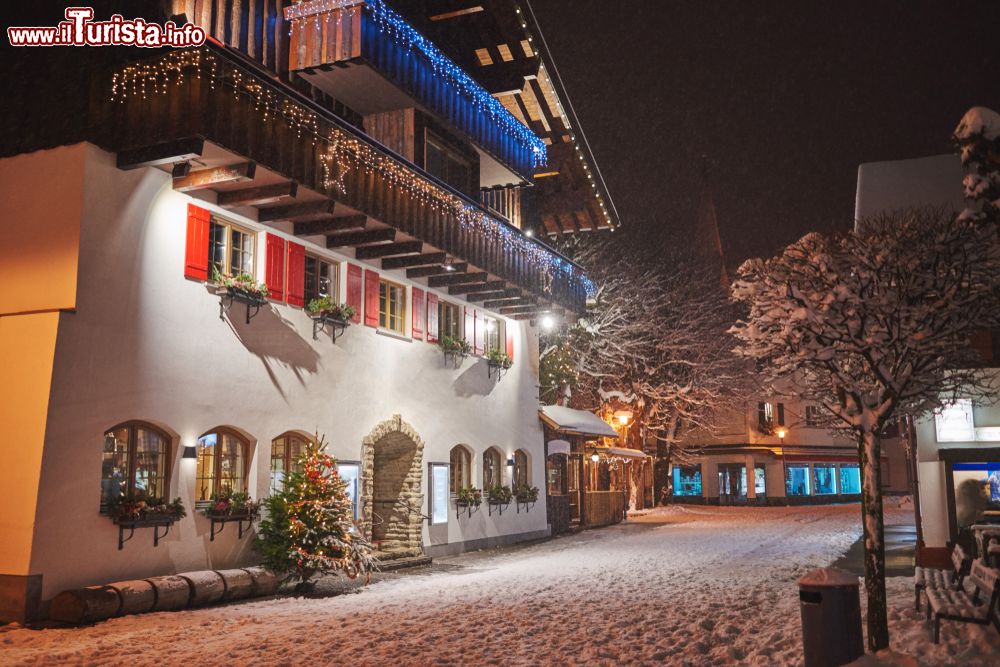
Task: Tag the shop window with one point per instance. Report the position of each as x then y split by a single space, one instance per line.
351 474
461 469
449 320
492 470
320 279
285 452
391 306
759 481
221 465
850 478
134 461
977 493
824 479
521 469
230 249
797 480
438 493
687 480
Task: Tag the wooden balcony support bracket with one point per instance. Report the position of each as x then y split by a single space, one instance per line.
468 288
405 261
209 178
330 225
437 271
457 279
389 249
361 238
167 152
265 194
295 211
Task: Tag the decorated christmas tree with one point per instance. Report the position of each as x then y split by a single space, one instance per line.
308 529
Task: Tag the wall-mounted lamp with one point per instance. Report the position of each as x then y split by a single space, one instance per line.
190 452
595 458
449 264
781 435
623 416
548 322
510 461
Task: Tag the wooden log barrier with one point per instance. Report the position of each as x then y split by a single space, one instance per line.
85 605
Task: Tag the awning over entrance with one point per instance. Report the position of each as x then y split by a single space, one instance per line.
559 447
625 452
575 422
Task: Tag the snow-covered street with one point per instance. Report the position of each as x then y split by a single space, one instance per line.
698 586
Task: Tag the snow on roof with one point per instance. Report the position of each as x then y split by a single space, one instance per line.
578 422
625 452
979 121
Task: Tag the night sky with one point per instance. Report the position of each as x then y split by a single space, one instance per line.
786 99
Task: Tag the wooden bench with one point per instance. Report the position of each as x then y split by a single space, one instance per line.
957 605
932 578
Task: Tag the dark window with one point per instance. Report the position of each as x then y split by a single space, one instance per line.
781 414
446 164
449 320
521 468
320 278
491 469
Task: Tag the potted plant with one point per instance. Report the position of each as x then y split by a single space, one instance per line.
470 496
325 311
139 506
499 496
526 494
231 505
499 361
241 286
455 347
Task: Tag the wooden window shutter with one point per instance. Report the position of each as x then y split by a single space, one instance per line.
274 267
296 281
417 330
196 247
354 291
371 298
469 330
507 330
480 332
432 318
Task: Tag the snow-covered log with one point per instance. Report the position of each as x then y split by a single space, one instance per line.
138 596
265 582
85 605
172 592
207 587
239 584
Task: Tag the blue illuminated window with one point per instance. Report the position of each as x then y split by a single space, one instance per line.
687 481
797 480
850 478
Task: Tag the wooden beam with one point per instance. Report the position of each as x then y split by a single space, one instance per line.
360 238
457 279
414 260
510 302
389 249
456 13
265 194
167 152
521 310
530 317
434 271
477 287
292 211
486 294
209 178
328 225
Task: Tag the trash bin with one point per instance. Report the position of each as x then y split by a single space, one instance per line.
831 617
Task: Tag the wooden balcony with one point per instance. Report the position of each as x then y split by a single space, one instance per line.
338 182
364 54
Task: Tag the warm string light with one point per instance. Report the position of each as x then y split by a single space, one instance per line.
344 151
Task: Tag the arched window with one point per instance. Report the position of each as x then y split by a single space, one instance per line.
134 461
461 468
285 452
521 477
492 471
222 461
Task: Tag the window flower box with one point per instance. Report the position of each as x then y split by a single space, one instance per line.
229 507
525 496
325 312
468 500
241 288
498 362
140 511
499 497
455 349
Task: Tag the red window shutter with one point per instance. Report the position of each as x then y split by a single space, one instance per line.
417 330
480 332
196 248
371 298
354 291
296 274
432 318
508 334
469 331
274 267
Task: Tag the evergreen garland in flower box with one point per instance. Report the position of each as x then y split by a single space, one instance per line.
139 506
499 359
232 504
325 306
470 496
499 495
526 494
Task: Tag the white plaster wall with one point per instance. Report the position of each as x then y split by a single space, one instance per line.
146 343
897 184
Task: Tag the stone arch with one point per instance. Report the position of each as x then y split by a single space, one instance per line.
391 478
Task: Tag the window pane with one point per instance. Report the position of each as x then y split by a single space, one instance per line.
241 257
460 464
205 473
216 248
850 478
824 479
350 472
797 480
759 481
150 463
687 481
491 469
383 305
311 284
278 451
434 160
114 466
230 464
520 468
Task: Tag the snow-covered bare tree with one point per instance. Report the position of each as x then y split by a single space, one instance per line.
653 340
873 324
978 140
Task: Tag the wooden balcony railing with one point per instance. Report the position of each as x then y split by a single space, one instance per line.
325 32
215 93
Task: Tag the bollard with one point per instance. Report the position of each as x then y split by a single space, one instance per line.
831 618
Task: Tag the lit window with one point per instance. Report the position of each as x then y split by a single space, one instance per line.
491 468
134 462
687 480
449 320
285 452
521 477
351 474
765 418
494 338
850 478
824 479
955 424
320 278
221 465
797 480
760 481
461 469
230 249
391 306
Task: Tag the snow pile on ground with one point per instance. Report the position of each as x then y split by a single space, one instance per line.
697 585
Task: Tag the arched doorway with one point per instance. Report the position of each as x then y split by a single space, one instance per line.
391 476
